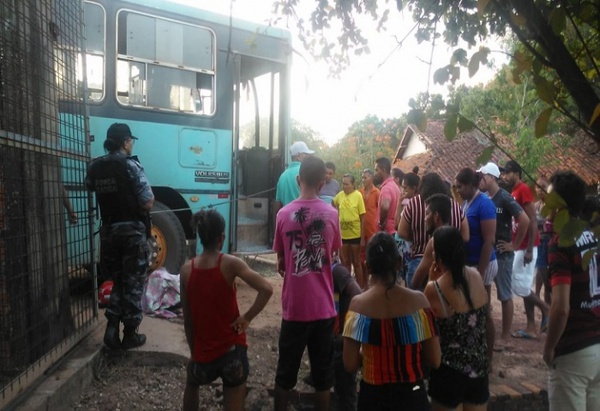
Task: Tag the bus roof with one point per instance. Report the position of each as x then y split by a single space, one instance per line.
199 13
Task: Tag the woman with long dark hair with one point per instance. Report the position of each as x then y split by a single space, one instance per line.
460 303
397 332
214 328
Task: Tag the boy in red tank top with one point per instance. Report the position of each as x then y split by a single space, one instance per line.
214 328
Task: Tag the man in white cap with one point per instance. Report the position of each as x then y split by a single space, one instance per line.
287 187
507 208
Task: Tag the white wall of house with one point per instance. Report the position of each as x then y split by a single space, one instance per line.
415 146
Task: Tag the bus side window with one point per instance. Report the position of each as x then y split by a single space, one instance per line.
165 64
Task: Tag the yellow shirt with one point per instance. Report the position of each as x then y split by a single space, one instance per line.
351 207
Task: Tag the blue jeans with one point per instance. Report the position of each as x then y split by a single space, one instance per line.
413 264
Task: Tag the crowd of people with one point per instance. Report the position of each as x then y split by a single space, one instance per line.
393 279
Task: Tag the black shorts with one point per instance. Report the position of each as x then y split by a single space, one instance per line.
232 367
449 388
351 241
393 397
317 336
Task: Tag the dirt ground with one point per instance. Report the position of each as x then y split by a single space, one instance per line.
126 383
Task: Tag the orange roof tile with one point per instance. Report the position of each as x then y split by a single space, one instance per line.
448 157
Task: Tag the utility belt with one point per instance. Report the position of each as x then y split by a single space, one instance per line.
143 219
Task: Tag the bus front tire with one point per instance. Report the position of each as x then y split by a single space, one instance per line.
168 245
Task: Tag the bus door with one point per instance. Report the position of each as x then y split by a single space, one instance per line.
261 126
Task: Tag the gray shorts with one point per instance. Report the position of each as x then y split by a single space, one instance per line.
503 279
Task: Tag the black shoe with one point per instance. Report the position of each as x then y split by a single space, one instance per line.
111 335
132 339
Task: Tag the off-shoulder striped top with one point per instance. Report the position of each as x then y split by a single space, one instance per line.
391 346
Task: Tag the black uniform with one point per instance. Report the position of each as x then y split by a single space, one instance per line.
121 189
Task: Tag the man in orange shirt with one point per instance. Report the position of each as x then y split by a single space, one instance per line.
370 195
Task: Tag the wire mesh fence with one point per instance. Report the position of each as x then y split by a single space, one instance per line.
47 279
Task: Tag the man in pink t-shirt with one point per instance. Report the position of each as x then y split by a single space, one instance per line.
389 195
307 234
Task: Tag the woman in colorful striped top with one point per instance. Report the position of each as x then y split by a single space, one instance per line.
397 332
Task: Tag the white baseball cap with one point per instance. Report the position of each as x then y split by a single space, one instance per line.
491 169
300 147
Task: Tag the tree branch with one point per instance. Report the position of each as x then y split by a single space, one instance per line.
522 38
585 47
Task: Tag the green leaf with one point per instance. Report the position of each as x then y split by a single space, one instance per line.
518 20
417 117
595 115
587 257
481 6
474 64
545 89
586 13
464 124
570 232
452 110
541 123
454 72
536 66
486 155
459 56
516 75
554 201
450 127
521 60
560 220
441 75
558 20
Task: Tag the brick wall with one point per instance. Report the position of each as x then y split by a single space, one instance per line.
517 396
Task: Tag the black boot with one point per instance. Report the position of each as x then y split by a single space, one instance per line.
111 335
132 339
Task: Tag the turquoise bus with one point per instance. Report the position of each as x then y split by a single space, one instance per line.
208 97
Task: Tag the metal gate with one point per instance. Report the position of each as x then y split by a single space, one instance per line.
47 275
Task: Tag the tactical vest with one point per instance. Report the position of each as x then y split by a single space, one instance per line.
114 189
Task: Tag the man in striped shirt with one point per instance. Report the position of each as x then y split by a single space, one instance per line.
412 225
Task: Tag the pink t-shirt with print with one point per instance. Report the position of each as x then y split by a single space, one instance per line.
390 190
307 233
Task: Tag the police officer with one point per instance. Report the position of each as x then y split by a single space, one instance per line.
125 199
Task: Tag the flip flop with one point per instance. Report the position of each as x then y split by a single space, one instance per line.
544 325
523 334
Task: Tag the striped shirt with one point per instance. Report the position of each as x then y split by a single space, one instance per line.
414 214
391 346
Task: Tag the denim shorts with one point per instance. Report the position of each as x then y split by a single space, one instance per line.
503 279
542 258
232 367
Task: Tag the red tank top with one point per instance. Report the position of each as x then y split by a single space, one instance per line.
213 305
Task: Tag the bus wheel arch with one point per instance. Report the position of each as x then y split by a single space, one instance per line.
168 243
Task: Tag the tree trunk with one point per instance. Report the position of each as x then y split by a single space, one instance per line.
562 61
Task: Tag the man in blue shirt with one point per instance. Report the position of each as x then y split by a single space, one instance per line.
287 187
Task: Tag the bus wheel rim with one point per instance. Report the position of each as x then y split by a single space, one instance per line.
160 244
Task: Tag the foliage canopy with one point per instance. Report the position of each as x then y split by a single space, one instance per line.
559 44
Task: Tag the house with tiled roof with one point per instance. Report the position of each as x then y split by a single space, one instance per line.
431 151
